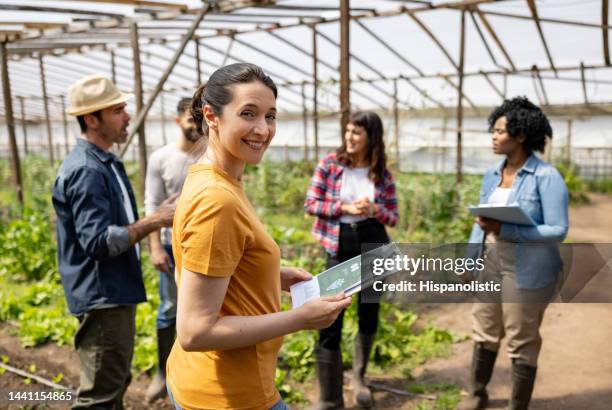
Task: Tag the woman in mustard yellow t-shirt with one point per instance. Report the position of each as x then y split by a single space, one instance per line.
229 324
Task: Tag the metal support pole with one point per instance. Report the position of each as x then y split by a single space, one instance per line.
345 103
24 126
138 92
315 86
158 88
226 55
396 125
583 79
305 121
10 123
197 61
604 30
460 100
46 108
113 67
569 142
65 125
162 104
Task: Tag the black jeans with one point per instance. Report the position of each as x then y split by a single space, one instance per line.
352 236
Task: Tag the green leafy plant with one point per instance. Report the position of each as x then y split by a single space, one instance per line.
28 248
447 396
575 184
287 392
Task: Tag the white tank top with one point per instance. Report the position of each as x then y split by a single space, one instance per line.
499 196
355 185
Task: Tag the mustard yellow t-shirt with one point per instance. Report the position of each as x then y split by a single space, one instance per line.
217 233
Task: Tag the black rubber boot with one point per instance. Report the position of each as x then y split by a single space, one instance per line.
523 379
363 347
329 375
157 388
483 361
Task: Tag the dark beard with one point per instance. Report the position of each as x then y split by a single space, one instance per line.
191 134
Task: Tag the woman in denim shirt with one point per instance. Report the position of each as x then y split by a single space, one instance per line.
525 259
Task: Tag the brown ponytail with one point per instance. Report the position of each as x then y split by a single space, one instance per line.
196 111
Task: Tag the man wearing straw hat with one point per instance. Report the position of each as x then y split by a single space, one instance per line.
98 231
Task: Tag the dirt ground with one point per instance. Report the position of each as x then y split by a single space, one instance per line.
575 369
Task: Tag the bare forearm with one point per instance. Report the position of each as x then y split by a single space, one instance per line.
232 332
155 240
143 227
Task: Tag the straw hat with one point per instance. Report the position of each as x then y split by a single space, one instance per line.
94 93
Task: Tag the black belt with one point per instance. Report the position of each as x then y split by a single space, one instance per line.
356 225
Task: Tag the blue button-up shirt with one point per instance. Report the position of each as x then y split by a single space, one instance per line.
540 191
97 265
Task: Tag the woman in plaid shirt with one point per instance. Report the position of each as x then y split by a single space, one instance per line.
352 196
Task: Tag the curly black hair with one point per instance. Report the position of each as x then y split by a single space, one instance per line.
523 119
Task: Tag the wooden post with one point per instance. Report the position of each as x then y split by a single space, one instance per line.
315 86
164 77
138 93
305 121
460 100
163 117
10 123
65 124
345 102
569 142
24 126
396 125
113 67
548 149
583 79
444 147
604 30
196 42
46 108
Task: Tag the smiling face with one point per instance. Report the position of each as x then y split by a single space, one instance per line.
246 125
356 139
504 143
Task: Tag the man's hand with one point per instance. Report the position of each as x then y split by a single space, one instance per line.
291 276
160 259
165 211
489 225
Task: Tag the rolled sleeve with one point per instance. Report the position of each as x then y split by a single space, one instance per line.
117 240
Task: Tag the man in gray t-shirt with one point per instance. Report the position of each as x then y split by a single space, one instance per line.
166 172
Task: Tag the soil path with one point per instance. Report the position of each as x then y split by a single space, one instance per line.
575 363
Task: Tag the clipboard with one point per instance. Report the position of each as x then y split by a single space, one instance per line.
512 214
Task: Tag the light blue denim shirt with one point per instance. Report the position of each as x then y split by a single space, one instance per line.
540 191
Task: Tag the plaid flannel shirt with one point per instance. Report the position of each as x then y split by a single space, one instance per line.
323 202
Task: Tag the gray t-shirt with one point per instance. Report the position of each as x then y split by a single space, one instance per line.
167 170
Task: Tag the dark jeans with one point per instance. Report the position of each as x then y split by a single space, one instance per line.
166 312
352 236
105 344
